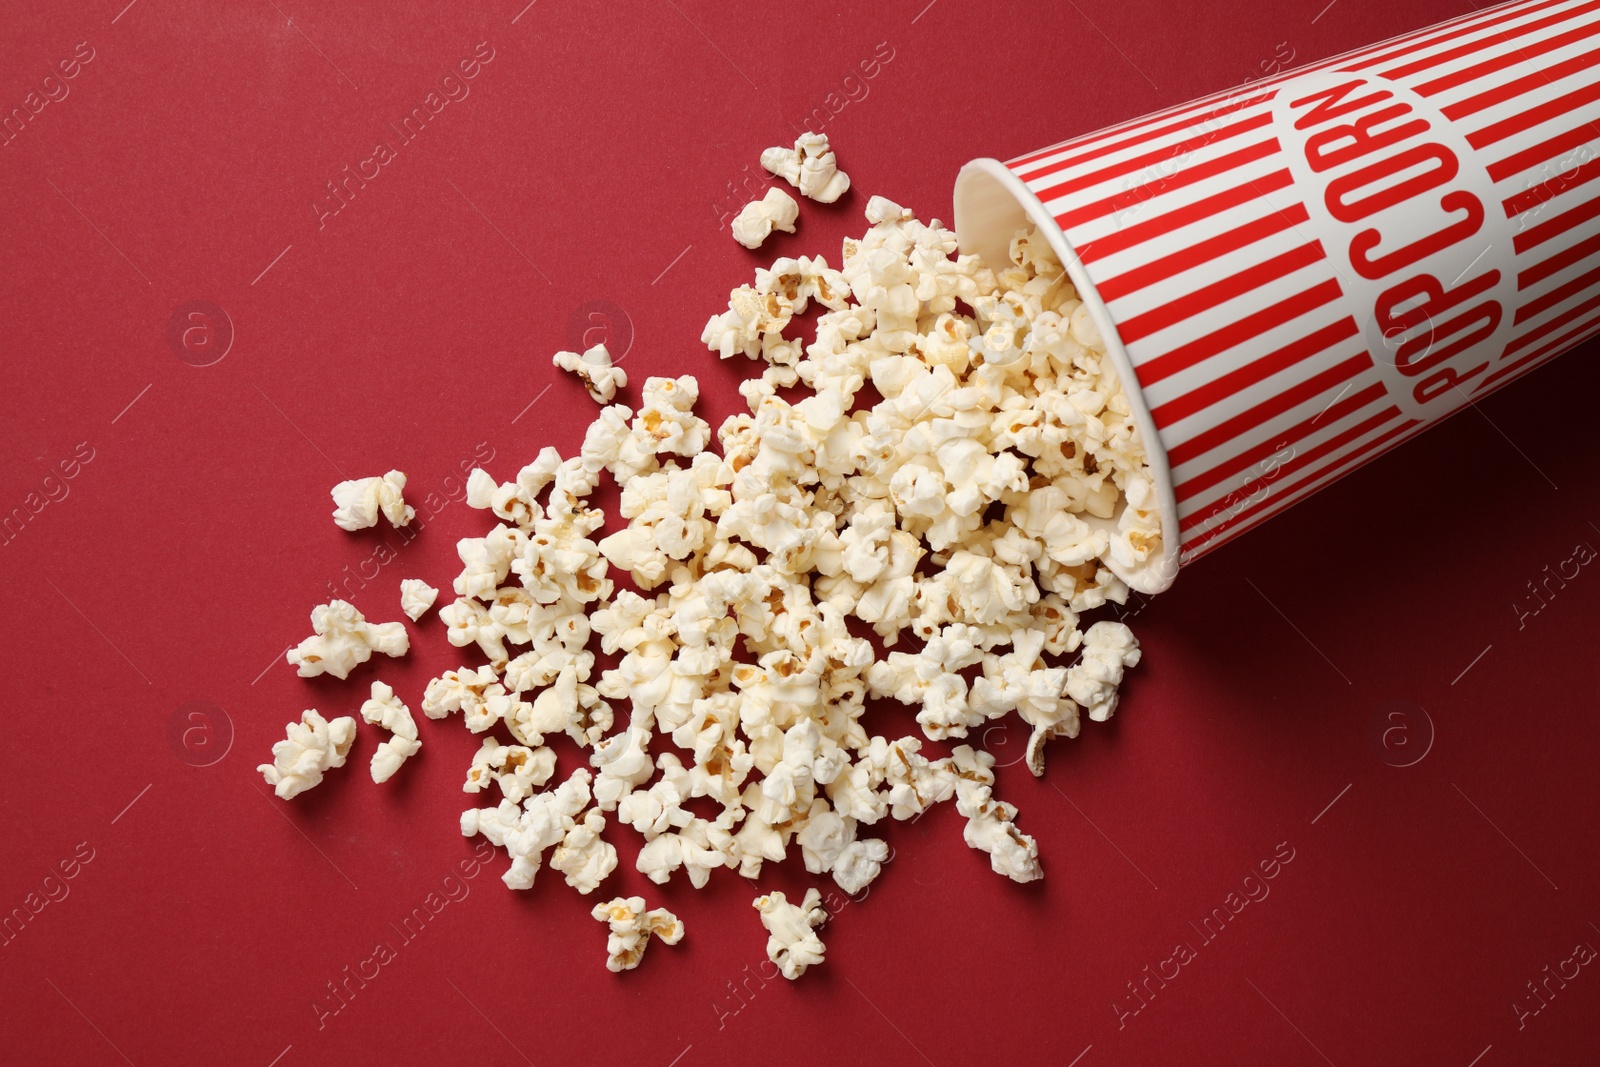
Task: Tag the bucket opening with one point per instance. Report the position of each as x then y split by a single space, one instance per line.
991 204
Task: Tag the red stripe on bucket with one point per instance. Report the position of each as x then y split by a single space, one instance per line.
1557 296
1467 75
1264 411
1559 261
1202 252
1191 175
1248 328
1537 115
1528 83
1566 340
1220 292
1219 389
1525 339
1542 193
1140 232
1134 164
1467 49
1518 162
1102 149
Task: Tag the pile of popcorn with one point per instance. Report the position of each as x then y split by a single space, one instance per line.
964 508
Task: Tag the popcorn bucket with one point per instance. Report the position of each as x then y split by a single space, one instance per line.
1297 275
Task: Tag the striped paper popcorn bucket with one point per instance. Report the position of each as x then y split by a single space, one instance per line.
1299 274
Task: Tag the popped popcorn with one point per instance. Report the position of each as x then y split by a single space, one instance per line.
358 502
792 941
583 857
1108 647
516 769
757 219
595 370
881 210
991 824
385 709
313 745
969 509
469 691
416 597
342 639
809 166
860 864
631 929
525 831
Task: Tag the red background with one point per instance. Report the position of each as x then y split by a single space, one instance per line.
587 165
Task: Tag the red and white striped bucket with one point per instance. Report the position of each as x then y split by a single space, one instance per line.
1297 275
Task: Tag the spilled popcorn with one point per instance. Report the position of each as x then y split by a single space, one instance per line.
961 472
757 219
416 597
359 502
793 943
631 930
385 710
342 639
313 745
809 166
595 370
